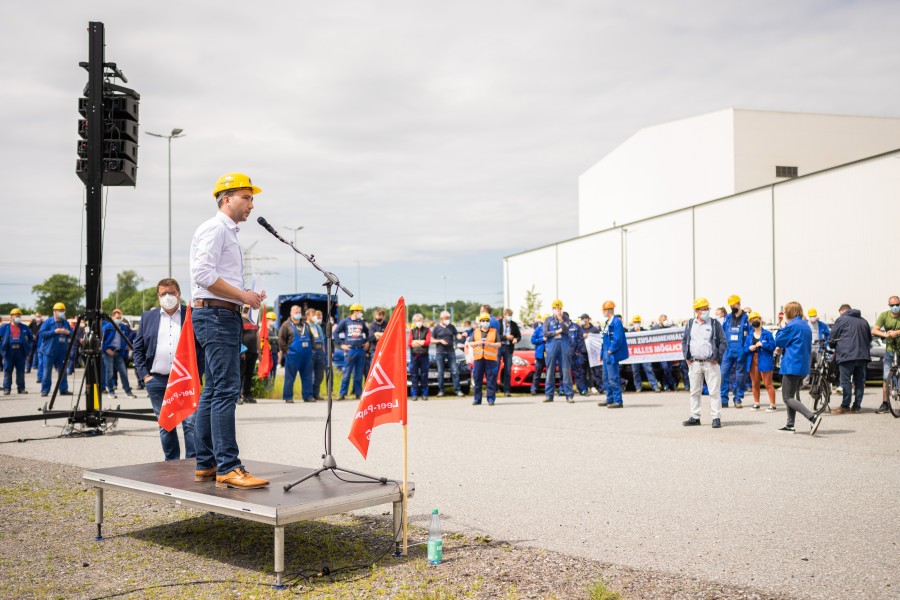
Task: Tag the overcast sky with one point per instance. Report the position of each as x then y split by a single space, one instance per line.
413 140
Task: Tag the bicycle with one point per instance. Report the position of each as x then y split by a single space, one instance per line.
823 376
893 386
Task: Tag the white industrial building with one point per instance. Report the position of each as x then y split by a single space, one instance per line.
772 206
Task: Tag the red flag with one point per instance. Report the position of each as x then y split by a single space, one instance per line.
384 397
183 389
265 359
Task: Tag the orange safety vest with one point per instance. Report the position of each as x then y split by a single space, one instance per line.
485 352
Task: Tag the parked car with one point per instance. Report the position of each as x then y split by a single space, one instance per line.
465 372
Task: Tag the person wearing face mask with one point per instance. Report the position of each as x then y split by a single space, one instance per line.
758 352
737 328
646 367
704 346
352 334
853 340
154 353
556 336
484 343
443 336
887 327
794 343
820 335
319 350
418 341
54 337
34 355
115 350
668 381
379 325
540 353
509 337
16 342
615 350
295 341
593 375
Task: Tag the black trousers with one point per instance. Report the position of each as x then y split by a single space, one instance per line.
248 368
505 354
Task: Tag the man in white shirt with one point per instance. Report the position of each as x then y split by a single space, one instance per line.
217 295
154 350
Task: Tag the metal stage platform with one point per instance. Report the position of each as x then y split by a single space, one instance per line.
320 496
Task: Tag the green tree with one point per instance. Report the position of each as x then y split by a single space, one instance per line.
59 288
126 289
5 307
531 308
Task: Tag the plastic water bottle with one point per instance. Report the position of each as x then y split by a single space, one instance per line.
435 541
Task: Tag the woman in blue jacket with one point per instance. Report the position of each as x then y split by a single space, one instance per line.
759 348
795 343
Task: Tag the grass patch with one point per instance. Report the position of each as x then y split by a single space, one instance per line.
599 591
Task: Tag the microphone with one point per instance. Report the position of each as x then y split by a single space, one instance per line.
262 221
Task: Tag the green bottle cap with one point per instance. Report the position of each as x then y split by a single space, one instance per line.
434 511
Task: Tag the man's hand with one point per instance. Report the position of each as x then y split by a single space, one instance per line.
110 351
252 299
713 362
148 378
61 330
378 335
688 362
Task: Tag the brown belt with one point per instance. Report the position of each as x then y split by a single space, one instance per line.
212 303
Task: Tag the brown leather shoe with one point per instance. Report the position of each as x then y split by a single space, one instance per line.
240 478
205 474
855 410
840 410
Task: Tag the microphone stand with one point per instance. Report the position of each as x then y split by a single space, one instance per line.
331 280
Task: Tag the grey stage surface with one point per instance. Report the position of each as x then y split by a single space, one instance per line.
318 496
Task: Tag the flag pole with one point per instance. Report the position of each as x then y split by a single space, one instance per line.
405 496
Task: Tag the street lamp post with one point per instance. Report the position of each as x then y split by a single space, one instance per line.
176 133
444 277
295 230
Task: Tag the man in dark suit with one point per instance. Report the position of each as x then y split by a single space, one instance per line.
154 351
509 337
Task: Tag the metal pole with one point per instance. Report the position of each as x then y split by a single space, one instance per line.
445 291
296 280
170 207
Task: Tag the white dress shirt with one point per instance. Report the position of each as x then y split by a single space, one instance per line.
166 342
215 253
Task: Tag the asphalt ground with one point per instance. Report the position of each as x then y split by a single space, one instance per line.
746 504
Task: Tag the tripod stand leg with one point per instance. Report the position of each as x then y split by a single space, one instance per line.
315 473
98 513
382 480
279 557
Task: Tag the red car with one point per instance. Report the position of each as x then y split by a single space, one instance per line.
523 364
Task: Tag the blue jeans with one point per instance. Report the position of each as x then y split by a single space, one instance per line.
113 365
301 363
855 370
353 363
14 359
888 363
668 382
443 360
636 369
484 370
156 389
418 374
611 380
733 362
50 363
218 333
580 366
558 356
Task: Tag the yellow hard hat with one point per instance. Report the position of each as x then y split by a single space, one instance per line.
701 303
733 299
608 305
271 316
15 311
484 317
754 315
812 313
234 181
636 319
59 306
557 303
354 307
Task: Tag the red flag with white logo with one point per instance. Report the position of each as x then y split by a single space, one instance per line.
183 389
384 396
265 356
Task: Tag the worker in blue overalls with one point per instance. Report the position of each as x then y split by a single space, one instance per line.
355 344
556 335
537 340
295 338
16 342
577 356
737 327
615 350
55 334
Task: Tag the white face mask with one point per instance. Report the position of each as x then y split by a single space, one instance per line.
813 319
168 301
419 324
317 320
445 322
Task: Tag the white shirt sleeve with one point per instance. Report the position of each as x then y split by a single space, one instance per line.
207 252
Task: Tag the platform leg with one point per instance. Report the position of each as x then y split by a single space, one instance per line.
398 523
279 557
98 512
